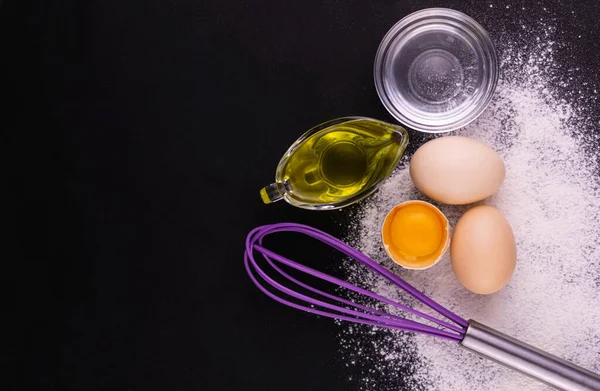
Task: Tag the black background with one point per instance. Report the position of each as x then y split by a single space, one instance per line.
135 137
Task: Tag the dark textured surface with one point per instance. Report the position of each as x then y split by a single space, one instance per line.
135 137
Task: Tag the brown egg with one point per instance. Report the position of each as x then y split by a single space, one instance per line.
483 250
457 170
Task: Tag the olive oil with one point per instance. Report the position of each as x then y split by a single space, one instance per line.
337 163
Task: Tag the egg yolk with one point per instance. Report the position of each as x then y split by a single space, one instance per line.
415 233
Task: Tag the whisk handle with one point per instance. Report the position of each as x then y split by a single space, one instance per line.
527 359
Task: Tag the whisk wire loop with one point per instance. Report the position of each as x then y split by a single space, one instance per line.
344 309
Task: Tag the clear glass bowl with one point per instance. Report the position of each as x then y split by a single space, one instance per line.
436 70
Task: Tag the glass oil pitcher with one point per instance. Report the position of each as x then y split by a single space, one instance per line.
337 163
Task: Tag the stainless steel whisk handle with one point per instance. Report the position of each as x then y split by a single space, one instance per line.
527 359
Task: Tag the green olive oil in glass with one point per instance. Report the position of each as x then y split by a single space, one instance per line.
337 163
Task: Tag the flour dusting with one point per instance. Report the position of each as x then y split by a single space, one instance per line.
551 197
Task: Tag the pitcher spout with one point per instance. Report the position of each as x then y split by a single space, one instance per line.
271 193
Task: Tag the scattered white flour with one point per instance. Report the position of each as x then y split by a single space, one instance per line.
551 197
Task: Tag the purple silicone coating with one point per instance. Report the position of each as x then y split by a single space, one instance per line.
269 254
435 332
371 316
362 258
328 295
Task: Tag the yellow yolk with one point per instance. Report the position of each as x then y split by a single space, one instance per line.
415 234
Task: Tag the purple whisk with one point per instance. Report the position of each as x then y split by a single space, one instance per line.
358 313
470 334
